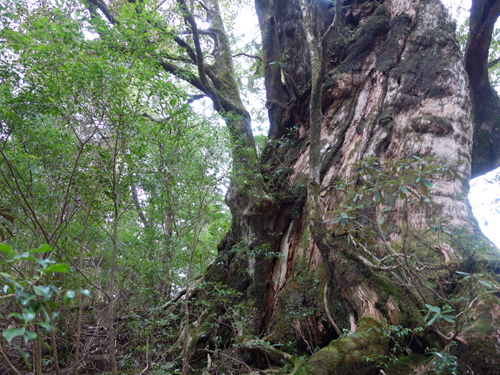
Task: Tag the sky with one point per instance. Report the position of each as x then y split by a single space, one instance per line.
484 194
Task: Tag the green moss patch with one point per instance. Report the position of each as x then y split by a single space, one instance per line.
349 355
406 365
365 39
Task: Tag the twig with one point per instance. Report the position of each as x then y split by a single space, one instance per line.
231 358
7 360
493 63
330 319
247 55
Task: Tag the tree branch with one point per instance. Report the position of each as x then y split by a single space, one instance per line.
137 205
491 64
16 372
327 310
485 101
247 55
103 8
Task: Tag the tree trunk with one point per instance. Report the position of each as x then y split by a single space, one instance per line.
395 88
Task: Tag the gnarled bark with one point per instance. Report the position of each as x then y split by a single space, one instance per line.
395 86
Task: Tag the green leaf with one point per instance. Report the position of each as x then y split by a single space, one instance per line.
68 296
430 322
85 292
44 262
28 315
43 291
6 275
424 188
5 248
384 226
23 353
17 315
25 298
35 306
455 173
43 248
485 283
45 325
28 335
427 183
449 318
10 333
433 308
60 267
24 256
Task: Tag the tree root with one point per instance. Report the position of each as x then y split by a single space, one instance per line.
348 355
266 350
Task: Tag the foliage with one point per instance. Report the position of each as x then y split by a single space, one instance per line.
369 203
399 343
92 133
35 291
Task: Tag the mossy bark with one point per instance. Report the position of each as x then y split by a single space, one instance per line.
394 87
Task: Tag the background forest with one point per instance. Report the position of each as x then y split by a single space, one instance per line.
113 173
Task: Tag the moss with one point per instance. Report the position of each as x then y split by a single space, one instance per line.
300 302
304 239
365 38
440 126
327 160
420 71
386 118
361 126
481 354
406 365
293 195
399 29
349 354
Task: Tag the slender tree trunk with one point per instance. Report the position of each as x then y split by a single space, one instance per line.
80 266
53 345
192 247
111 316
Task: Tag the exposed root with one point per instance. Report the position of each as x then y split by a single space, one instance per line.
327 310
271 353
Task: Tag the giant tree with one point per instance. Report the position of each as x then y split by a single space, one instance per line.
349 81
370 230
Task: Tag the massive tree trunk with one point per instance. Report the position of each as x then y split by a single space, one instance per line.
395 87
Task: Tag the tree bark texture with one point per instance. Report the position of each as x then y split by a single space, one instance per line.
486 148
395 88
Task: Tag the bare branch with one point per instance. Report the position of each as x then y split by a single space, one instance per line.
493 63
247 55
327 310
103 8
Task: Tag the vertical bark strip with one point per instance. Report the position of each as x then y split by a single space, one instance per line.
486 149
275 93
